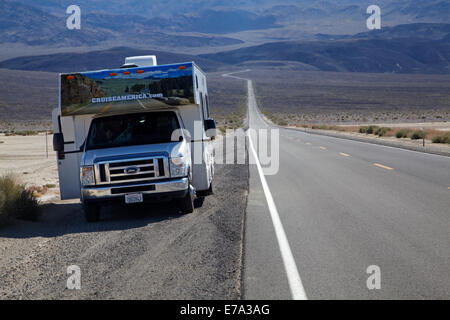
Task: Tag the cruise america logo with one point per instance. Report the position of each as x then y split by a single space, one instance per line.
127 97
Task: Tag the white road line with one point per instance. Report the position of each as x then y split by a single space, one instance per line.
295 282
141 104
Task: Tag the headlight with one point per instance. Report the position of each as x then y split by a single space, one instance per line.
178 167
87 175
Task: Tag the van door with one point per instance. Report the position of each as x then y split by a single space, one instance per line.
69 161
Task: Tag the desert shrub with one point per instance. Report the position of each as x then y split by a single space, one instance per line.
50 185
445 138
37 191
362 129
27 133
402 133
368 129
417 134
371 129
16 201
27 207
382 131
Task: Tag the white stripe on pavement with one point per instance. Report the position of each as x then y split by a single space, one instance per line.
295 282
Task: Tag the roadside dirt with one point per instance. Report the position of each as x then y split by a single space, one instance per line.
139 252
25 157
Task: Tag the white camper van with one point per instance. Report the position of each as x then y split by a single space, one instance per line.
134 134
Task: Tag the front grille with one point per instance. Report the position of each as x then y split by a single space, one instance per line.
132 170
132 189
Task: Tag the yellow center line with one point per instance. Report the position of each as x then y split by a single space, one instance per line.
344 154
323 148
381 166
106 107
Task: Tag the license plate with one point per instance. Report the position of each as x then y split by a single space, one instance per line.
134 198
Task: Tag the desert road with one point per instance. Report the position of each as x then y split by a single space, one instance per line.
337 207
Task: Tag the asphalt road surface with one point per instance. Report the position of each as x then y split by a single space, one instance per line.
340 207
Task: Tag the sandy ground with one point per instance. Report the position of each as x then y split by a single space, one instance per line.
25 157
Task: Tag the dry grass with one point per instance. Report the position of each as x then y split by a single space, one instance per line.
16 201
444 138
37 191
275 119
21 133
436 136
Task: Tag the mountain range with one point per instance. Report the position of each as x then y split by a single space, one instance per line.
100 59
413 48
328 35
204 24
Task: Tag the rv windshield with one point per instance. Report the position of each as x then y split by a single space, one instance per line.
132 129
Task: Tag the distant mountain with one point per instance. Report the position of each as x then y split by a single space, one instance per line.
354 55
25 24
157 22
413 48
431 31
437 10
102 59
216 22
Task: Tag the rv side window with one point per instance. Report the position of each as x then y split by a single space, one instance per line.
207 105
202 106
196 81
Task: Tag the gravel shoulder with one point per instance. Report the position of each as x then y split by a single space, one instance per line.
142 252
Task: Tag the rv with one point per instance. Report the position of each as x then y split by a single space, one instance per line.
139 133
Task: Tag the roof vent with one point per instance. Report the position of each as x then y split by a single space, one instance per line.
140 61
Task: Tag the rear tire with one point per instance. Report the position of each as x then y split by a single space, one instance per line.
91 212
187 203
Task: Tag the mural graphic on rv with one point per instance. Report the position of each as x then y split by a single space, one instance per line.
130 89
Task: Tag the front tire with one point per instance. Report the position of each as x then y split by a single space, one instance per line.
187 203
91 212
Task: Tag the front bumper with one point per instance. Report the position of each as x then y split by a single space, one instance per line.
171 188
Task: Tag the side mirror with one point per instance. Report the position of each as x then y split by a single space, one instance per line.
58 142
210 128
